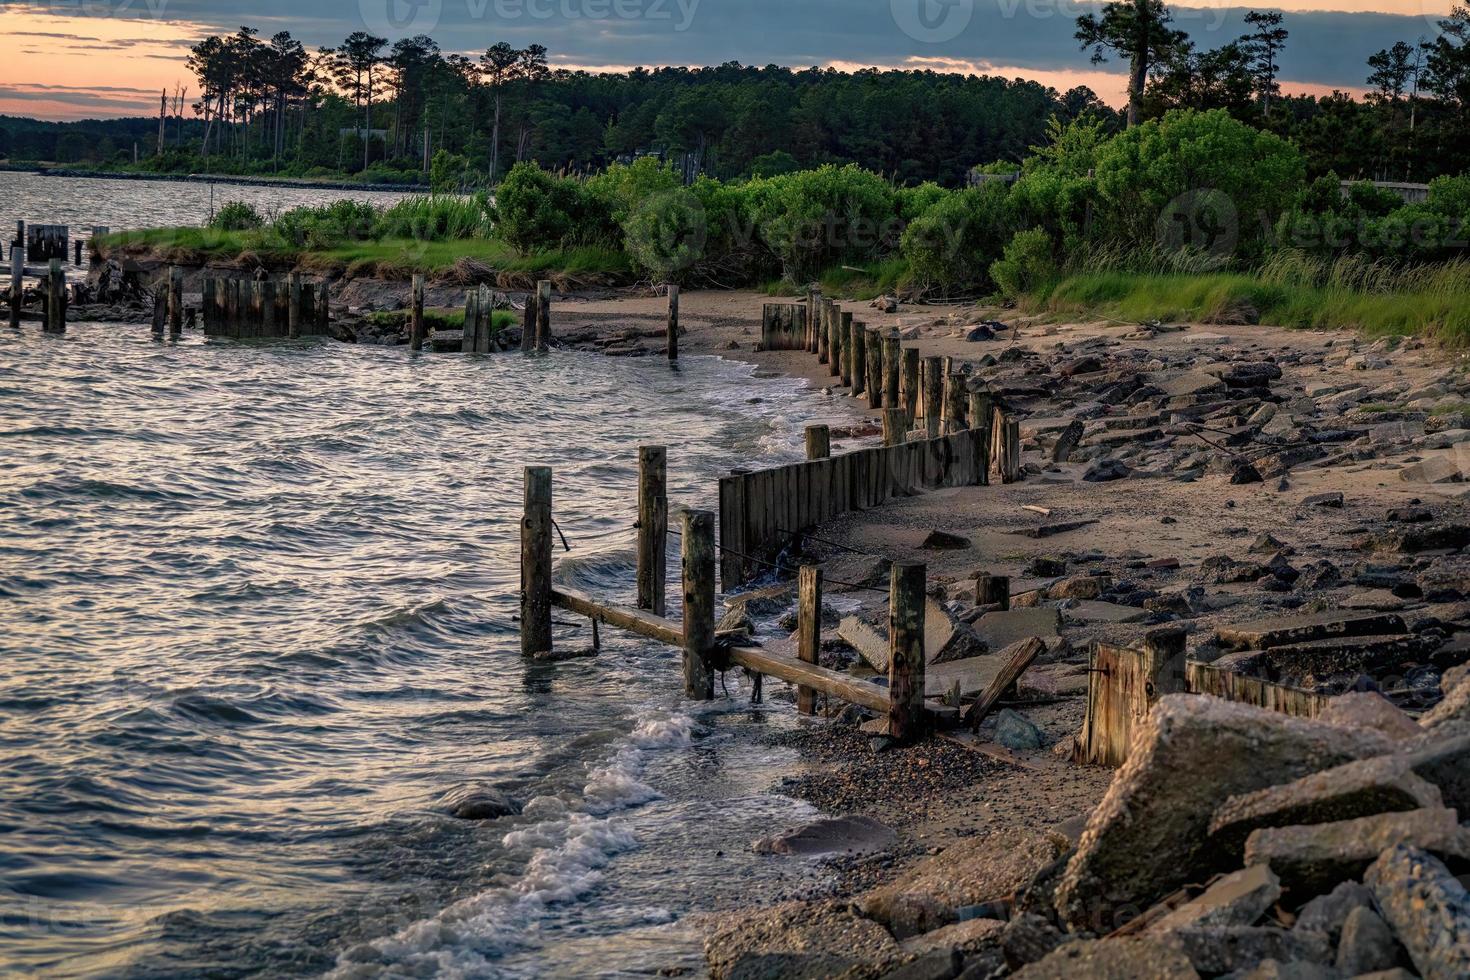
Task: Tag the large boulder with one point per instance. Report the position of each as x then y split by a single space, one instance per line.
1316 859
985 868
796 939
1238 899
1453 713
1226 950
1118 959
1150 834
1428 909
1368 709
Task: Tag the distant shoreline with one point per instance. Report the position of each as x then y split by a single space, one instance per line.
300 182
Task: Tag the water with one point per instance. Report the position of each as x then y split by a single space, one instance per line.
256 612
82 202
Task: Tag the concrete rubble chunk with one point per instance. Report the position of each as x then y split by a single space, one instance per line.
1321 659
1118 959
1150 833
945 638
1433 469
1451 713
1427 908
1226 950
833 835
1316 858
1328 913
824 935
999 630
1238 899
1188 383
1444 760
1385 784
1028 937
1275 631
1414 540
985 868
965 937
1367 944
1274 970
1368 709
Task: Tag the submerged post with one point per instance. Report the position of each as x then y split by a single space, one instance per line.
873 341
543 315
416 314
895 432
699 603
906 651
673 328
56 298
77 257
808 630
536 563
857 355
908 385
324 309
653 526
17 282
818 442
933 394
175 302
293 305
528 325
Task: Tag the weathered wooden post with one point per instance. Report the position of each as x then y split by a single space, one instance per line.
1011 451
818 442
536 563
673 327
834 342
17 281
160 311
982 423
543 315
528 324
857 336
56 298
956 401
892 353
293 305
175 302
77 257
324 309
266 291
653 526
1164 655
471 322
908 384
416 314
895 429
829 309
874 368
906 651
813 307
698 550
933 395
808 630
844 359
993 590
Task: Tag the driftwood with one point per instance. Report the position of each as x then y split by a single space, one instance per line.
1028 650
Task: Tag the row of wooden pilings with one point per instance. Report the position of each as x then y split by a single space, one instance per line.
704 652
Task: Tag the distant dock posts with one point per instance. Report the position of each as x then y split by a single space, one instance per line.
416 331
671 331
247 309
16 291
55 321
536 324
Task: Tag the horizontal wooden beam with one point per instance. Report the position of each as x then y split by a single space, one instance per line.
636 621
843 687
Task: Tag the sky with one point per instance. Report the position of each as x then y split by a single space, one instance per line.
73 59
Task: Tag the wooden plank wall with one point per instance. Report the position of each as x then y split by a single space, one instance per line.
759 511
1203 678
783 326
46 242
252 308
1118 702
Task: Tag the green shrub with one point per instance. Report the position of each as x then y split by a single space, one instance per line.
533 209
448 172
236 216
436 217
1026 265
816 218
953 243
773 165
327 226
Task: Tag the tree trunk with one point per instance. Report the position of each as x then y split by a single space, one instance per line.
495 141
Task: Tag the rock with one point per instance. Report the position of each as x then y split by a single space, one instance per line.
1266 544
1411 541
735 620
979 333
1319 857
1389 433
1106 470
1016 732
1150 833
1103 612
963 937
1079 587
478 803
1275 631
1086 364
1334 500
1189 383
944 541
757 603
1238 899
1328 913
870 644
1029 937
1451 713
1427 908
1045 568
1364 788
1367 709
825 938
885 304
1445 761
1225 950
1243 474
1118 959
1447 439
998 630
1067 441
985 868
934 965
1274 970
1432 469
1367 944
1264 413
1247 374
835 835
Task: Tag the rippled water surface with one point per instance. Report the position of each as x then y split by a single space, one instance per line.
256 617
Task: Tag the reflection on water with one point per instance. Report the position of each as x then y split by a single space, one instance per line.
256 617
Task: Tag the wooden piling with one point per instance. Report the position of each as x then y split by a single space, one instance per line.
834 342
528 325
993 590
824 326
909 385
982 421
17 281
543 315
653 527
293 305
933 395
895 428
813 305
956 403
673 324
160 312
892 352
536 563
874 368
175 302
485 339
1010 450
844 359
416 314
324 309
818 442
906 651
77 257
857 336
698 551
56 298
808 630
